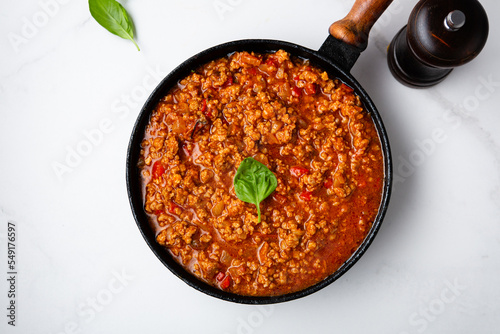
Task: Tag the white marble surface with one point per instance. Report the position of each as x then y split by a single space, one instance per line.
67 85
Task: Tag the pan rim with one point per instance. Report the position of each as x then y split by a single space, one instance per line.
179 72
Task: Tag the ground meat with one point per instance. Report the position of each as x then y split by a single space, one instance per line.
309 129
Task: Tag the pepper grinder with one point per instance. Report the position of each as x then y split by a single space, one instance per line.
440 35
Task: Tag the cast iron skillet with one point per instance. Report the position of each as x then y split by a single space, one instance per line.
348 37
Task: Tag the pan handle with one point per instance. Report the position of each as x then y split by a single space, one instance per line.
349 36
355 27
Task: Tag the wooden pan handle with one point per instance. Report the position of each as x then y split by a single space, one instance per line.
355 27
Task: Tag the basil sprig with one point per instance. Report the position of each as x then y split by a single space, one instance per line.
111 15
253 182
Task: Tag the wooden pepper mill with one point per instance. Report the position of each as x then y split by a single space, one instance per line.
440 35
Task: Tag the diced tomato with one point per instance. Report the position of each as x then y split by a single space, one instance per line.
220 276
298 171
158 212
296 91
305 195
252 71
172 207
158 169
346 88
226 282
296 78
311 88
328 183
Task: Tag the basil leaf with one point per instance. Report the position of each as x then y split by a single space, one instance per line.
111 15
253 182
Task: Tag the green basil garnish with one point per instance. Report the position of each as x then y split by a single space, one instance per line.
112 16
253 182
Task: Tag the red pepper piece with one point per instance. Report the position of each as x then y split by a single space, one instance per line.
298 171
204 106
346 88
328 183
172 207
220 276
296 91
186 150
279 198
158 169
311 88
306 195
229 81
226 282
272 62
205 110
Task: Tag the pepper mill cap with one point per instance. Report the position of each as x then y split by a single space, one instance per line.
447 33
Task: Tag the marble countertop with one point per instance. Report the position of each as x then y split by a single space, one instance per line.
70 93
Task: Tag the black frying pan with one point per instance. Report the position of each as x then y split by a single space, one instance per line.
348 37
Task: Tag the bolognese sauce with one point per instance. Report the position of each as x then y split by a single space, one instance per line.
310 130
